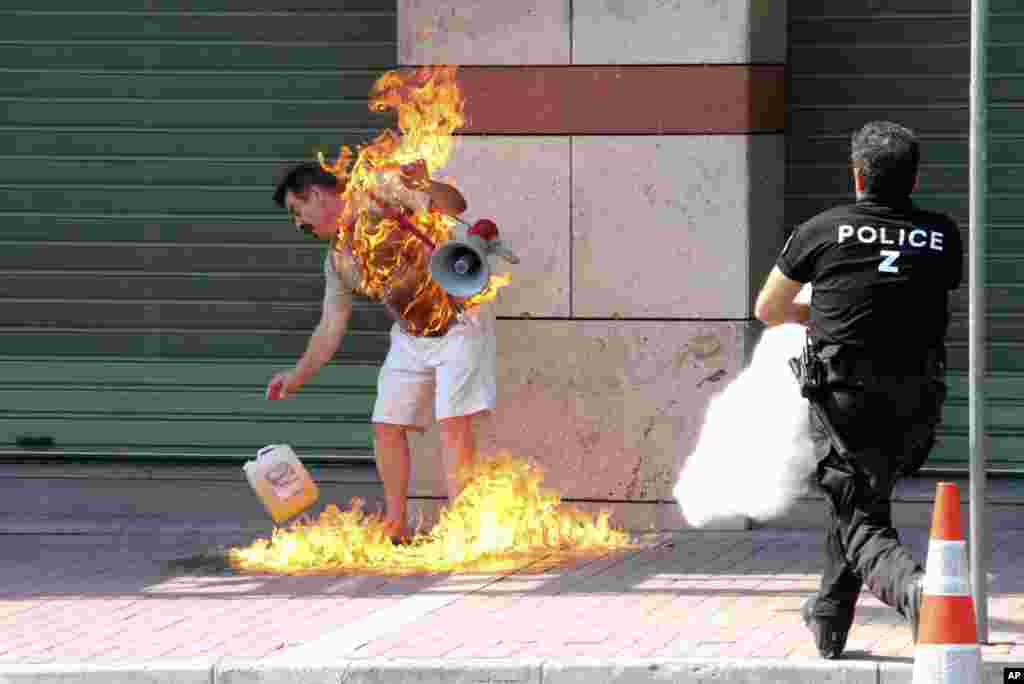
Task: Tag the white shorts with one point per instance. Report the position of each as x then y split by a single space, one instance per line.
452 375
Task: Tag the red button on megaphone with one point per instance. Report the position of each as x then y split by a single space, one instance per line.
485 229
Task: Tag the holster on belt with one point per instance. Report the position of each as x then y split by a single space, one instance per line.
812 377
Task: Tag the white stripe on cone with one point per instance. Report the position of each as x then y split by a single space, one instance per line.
946 573
947 664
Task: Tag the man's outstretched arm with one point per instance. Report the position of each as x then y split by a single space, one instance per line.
323 343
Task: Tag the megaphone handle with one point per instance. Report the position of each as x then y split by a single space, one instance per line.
504 252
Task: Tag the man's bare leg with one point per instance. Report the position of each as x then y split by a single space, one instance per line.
391 451
458 448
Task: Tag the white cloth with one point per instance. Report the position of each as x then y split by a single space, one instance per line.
453 375
754 456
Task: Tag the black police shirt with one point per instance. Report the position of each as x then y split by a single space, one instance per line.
881 273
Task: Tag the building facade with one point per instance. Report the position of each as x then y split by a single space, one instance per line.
645 158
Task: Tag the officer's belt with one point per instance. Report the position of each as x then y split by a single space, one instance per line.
845 363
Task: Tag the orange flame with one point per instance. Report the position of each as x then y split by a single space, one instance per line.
393 260
490 292
504 519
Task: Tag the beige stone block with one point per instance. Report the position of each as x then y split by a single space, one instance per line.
679 31
523 184
609 409
487 33
661 224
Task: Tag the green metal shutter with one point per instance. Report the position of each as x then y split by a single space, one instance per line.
851 61
1005 236
148 285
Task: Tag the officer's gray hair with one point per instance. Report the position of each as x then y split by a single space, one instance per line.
887 155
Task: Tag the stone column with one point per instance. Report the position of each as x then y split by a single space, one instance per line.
632 153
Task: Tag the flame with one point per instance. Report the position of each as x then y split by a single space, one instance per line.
503 520
490 292
393 260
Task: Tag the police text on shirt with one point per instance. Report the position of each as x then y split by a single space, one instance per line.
897 237
916 238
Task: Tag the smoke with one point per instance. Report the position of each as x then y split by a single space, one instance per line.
754 455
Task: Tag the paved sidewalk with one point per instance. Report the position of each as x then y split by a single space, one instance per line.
92 598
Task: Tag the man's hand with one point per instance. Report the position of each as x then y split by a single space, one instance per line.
443 197
280 386
415 176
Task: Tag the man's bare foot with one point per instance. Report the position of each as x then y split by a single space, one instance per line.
397 531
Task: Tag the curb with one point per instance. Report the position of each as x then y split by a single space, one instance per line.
164 671
475 671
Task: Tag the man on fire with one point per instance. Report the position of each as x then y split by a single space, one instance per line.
442 354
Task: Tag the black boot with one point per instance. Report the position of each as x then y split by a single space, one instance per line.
829 638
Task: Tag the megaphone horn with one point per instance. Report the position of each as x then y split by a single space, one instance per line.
460 266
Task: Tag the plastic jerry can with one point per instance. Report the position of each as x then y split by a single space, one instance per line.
281 482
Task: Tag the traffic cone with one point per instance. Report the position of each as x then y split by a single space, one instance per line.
947 650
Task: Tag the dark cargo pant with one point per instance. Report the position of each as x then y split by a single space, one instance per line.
888 423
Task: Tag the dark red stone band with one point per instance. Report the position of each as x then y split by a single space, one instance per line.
627 100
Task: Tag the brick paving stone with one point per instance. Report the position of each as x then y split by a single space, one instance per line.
744 627
877 629
682 622
499 649
148 644
11 610
523 649
730 593
770 631
793 633
439 647
899 643
260 642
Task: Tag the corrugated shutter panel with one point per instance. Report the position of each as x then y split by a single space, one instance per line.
1005 236
852 61
148 285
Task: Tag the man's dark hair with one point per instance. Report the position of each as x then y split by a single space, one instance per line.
303 176
887 155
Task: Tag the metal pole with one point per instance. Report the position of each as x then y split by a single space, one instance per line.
979 549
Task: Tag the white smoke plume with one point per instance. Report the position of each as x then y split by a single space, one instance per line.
754 455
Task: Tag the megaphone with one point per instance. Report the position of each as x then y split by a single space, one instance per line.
460 265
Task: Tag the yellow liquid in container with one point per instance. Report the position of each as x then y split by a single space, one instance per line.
281 482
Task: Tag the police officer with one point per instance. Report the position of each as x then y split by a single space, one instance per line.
881 271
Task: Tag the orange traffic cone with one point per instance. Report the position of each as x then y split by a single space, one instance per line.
947 650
